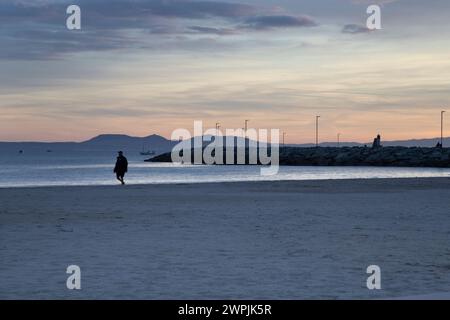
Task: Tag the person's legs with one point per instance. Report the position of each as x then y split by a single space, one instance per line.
119 177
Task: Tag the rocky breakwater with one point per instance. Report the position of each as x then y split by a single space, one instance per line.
357 156
363 156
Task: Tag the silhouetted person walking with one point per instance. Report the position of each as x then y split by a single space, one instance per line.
121 167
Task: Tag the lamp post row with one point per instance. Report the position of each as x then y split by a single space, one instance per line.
338 135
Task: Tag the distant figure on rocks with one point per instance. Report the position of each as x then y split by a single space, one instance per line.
377 142
121 167
439 145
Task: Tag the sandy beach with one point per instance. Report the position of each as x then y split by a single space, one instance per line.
243 240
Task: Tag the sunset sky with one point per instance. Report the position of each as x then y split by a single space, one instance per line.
142 67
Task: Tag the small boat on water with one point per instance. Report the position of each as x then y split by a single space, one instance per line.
147 153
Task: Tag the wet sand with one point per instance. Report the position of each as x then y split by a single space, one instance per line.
253 240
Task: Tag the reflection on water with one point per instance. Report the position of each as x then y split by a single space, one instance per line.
97 169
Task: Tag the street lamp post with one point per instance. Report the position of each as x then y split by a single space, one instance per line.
338 139
317 131
217 128
284 134
442 128
245 132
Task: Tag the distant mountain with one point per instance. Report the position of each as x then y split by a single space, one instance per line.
108 139
114 142
125 142
226 141
417 143
105 143
122 138
395 143
328 144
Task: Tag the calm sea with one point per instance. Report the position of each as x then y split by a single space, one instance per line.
42 168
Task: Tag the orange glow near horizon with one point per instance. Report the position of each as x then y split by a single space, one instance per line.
393 82
351 130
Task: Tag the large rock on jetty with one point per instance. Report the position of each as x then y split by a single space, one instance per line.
357 156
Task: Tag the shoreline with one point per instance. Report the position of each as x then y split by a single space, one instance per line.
401 180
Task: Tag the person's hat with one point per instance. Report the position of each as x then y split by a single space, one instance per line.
120 152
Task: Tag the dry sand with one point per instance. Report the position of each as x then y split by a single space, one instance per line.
275 240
